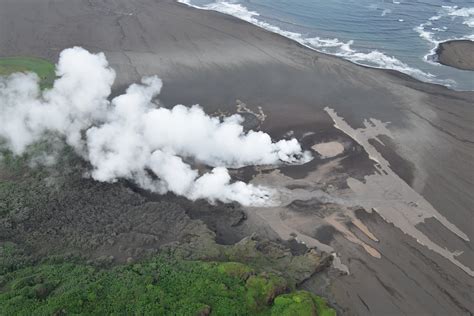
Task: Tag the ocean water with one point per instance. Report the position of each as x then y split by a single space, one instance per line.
393 34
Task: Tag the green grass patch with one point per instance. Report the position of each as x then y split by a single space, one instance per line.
323 308
43 68
262 290
236 269
301 303
155 287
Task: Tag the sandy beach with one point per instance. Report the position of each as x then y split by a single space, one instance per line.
398 196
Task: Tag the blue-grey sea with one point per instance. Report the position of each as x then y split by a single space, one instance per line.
393 34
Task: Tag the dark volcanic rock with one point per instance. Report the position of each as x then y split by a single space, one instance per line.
57 211
458 54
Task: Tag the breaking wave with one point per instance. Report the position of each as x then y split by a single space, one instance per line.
430 31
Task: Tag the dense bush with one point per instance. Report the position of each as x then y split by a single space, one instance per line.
156 287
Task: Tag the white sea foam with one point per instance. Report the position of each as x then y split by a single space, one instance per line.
426 35
427 31
466 13
385 12
334 46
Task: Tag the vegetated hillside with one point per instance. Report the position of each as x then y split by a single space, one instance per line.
159 286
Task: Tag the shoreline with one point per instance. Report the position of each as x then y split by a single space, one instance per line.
413 82
403 68
213 59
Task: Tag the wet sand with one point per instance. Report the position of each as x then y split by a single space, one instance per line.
458 54
219 62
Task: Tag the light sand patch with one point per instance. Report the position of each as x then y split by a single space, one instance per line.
363 228
383 192
392 198
285 223
329 149
272 216
334 221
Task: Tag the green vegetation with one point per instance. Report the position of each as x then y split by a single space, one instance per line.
262 289
322 307
11 258
301 303
236 269
43 68
160 287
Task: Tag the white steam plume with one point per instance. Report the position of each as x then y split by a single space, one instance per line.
131 137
